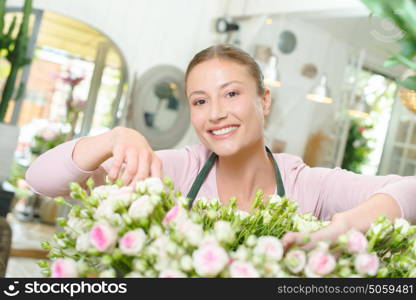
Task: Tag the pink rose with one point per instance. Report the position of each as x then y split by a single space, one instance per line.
269 246
357 242
64 268
210 260
48 134
320 263
171 274
295 260
173 214
132 242
103 236
366 264
241 269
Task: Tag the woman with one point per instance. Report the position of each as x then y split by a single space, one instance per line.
228 104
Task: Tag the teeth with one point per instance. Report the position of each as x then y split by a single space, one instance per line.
224 130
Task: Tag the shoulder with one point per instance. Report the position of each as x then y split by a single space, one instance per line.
288 161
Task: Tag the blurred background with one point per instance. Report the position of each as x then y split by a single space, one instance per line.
341 72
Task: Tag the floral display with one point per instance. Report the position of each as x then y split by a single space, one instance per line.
149 231
46 139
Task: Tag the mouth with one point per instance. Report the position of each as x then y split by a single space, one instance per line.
223 132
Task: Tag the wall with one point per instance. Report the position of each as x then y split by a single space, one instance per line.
294 117
148 32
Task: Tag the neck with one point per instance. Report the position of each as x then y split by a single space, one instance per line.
245 164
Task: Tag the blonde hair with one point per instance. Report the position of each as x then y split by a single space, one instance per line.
231 53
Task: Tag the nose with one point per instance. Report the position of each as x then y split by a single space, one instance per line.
217 111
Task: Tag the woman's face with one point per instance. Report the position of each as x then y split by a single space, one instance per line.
226 110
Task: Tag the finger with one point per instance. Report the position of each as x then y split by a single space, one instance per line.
118 158
296 238
156 167
144 166
131 166
288 240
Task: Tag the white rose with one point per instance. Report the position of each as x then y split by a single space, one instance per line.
241 253
242 214
140 187
110 273
270 247
275 199
154 185
141 208
103 191
402 225
224 232
105 210
186 263
193 233
266 217
83 242
155 231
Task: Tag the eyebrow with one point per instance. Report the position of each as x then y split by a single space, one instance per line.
224 85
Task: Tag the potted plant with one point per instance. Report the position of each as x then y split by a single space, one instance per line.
14 50
403 14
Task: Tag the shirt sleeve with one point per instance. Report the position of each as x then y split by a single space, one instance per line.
325 191
51 173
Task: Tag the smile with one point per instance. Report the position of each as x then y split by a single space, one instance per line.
223 132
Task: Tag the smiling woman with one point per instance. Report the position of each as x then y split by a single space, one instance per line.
228 104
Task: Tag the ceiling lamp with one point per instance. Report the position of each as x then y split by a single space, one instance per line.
320 93
361 109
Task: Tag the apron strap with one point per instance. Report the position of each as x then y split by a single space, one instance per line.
279 182
203 174
200 178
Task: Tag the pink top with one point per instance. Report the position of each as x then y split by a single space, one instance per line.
322 191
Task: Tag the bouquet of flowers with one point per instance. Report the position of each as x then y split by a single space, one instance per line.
149 231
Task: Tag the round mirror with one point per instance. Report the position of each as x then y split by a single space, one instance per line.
159 108
286 42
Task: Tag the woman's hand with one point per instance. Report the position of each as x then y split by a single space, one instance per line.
308 241
132 148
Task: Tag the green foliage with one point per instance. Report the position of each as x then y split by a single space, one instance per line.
357 149
42 144
403 14
16 50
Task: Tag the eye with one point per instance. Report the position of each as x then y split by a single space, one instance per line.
232 94
199 102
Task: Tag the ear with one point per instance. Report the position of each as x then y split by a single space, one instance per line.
267 102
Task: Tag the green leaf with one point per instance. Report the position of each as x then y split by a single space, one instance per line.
409 83
391 62
378 7
405 61
408 47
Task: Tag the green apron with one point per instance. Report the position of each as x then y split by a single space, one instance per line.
200 178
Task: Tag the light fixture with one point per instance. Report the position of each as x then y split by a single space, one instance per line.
271 73
223 25
320 93
361 109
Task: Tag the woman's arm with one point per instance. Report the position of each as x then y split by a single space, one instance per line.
77 160
349 200
359 217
